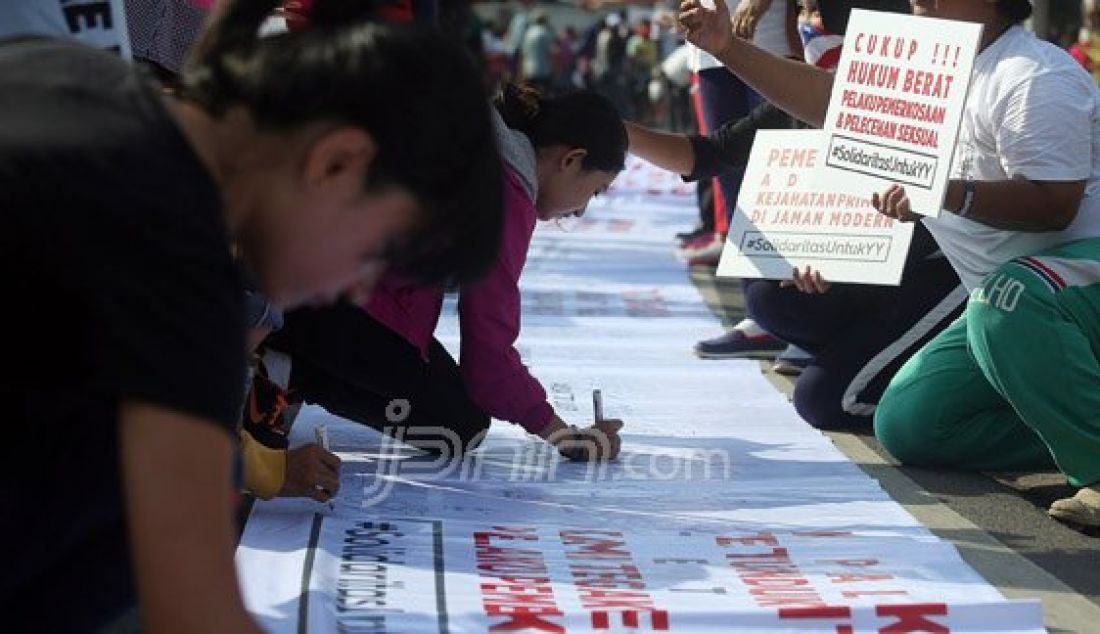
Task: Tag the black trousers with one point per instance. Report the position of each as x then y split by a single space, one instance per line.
355 367
860 334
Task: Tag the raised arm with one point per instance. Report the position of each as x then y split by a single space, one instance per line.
672 152
696 157
800 89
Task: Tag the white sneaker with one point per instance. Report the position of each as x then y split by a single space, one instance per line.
1081 510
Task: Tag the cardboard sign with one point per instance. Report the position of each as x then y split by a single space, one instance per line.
897 104
791 213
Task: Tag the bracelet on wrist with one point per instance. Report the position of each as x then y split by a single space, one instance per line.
967 207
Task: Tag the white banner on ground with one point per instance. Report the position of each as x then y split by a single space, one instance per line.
725 512
441 575
767 531
791 214
638 177
897 104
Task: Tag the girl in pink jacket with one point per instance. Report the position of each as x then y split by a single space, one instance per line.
379 363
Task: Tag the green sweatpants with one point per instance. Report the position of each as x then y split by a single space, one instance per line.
1014 383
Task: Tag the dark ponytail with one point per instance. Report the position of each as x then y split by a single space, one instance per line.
519 105
418 95
581 119
231 27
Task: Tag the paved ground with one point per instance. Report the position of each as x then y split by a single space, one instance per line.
998 521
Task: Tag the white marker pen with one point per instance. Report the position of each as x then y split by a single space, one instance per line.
320 435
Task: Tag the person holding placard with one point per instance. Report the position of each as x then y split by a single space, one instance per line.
125 351
376 361
860 335
1011 384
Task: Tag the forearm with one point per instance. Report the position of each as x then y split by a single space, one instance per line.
176 476
554 430
795 87
1018 204
672 152
558 432
599 442
730 146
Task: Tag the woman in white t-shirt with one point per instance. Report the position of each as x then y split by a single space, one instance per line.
1013 384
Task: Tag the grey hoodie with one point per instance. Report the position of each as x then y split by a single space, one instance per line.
518 153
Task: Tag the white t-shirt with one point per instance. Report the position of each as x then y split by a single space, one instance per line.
1032 113
771 34
97 23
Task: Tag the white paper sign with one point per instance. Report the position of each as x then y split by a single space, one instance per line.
897 104
791 213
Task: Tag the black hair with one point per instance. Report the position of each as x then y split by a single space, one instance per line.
417 94
1015 11
835 13
581 119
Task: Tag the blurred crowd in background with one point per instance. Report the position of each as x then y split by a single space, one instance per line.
632 53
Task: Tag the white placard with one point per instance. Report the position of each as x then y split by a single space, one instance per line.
897 104
791 213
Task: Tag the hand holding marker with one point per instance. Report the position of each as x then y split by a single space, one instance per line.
609 428
600 441
320 435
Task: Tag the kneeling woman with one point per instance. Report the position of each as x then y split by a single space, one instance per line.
364 362
860 335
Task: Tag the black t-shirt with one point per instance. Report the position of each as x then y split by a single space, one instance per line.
119 285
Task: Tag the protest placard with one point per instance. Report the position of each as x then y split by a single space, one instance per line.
790 213
897 104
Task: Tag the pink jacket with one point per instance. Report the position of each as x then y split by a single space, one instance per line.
489 317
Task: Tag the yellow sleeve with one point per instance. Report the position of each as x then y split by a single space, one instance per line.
264 468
